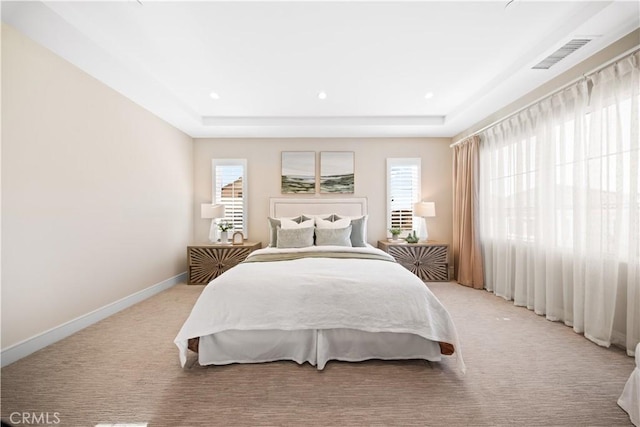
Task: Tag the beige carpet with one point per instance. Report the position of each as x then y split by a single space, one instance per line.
522 371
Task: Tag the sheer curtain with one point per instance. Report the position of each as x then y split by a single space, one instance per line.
560 206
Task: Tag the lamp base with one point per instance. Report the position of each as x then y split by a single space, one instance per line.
213 238
423 233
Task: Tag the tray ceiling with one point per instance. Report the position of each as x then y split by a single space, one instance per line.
257 69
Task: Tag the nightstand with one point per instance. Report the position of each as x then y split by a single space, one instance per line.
428 260
206 262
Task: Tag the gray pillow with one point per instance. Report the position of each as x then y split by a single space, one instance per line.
294 237
358 231
333 236
275 223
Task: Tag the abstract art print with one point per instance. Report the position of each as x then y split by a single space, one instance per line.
336 172
298 172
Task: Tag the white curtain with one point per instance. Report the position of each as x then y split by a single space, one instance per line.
560 206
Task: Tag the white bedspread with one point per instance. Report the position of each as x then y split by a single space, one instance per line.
319 293
630 398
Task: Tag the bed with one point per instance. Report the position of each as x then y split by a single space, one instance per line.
630 398
318 292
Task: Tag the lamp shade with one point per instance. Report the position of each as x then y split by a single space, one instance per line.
424 209
209 211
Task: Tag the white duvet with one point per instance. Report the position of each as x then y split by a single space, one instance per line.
318 293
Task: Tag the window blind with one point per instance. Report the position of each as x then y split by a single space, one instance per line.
404 191
229 190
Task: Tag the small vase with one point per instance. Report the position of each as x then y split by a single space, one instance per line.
394 237
224 237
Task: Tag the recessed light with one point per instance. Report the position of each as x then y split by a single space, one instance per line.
214 95
428 95
322 95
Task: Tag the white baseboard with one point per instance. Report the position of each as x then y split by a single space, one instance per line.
40 341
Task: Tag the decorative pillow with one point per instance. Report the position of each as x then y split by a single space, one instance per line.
304 222
339 223
358 231
294 237
323 217
275 223
333 236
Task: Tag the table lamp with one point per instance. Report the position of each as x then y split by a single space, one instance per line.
212 212
424 210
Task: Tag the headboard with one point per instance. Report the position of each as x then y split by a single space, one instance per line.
290 207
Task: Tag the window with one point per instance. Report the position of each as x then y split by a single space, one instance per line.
559 203
403 190
230 190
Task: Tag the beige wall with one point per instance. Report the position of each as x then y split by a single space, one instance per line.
630 41
96 193
264 167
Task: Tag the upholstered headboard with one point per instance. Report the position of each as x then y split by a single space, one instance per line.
290 206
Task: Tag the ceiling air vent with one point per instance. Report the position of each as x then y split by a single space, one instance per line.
560 54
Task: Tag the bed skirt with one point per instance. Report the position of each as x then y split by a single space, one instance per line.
316 347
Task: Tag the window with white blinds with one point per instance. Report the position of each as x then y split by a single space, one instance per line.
230 190
403 190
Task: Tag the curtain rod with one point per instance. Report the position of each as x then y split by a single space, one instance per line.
623 55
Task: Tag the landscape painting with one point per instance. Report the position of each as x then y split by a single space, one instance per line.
298 172
336 172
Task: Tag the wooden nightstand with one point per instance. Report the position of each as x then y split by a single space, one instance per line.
206 262
428 260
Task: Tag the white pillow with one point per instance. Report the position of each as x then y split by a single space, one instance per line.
326 217
341 223
292 223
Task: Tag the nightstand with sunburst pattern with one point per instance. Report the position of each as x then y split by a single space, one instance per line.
206 262
428 260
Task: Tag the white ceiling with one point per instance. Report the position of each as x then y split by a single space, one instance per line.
268 60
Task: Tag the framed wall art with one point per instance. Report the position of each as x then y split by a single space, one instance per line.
298 172
337 172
